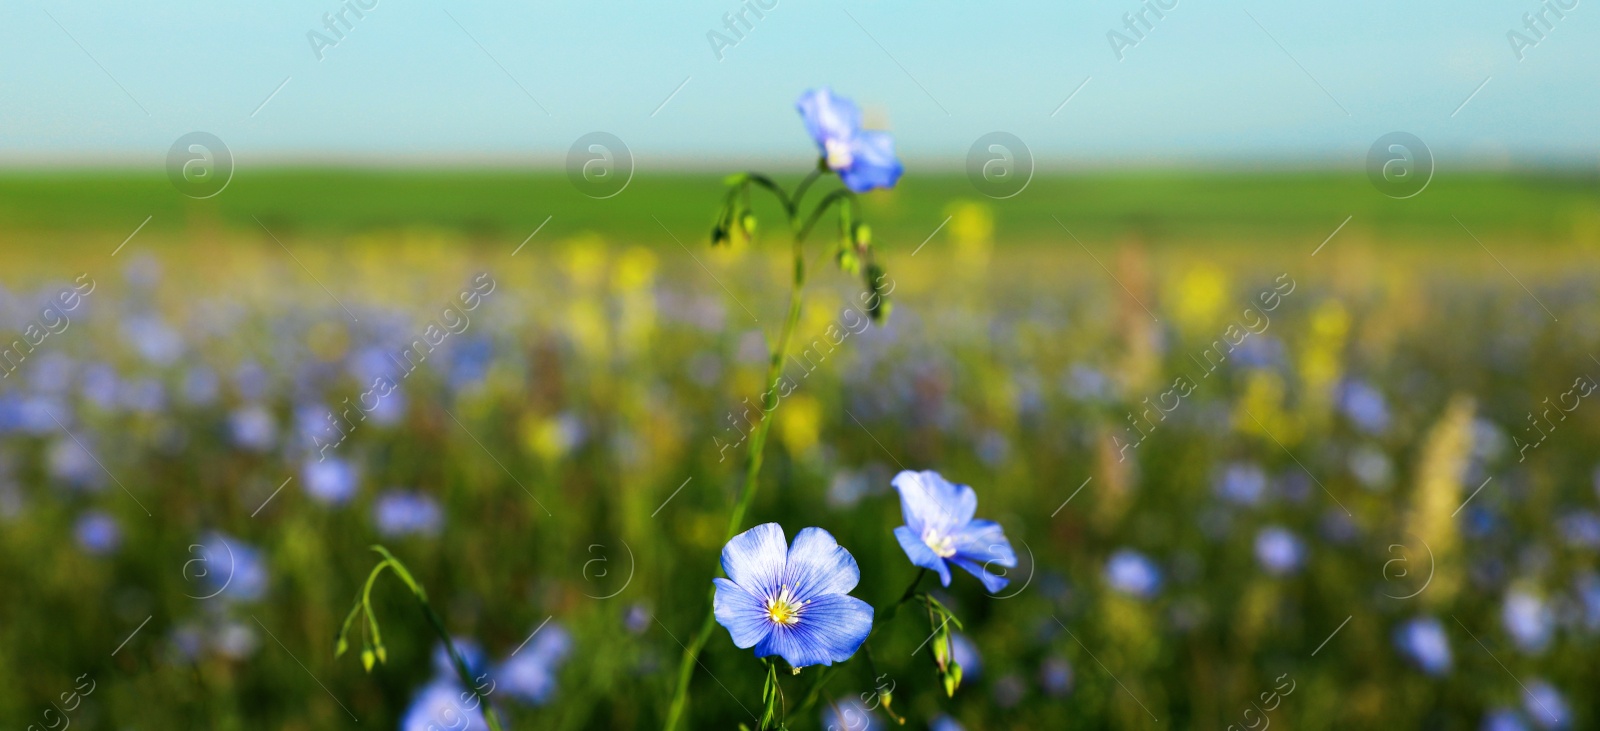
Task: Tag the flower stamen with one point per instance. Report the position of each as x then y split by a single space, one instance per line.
943 546
838 154
783 609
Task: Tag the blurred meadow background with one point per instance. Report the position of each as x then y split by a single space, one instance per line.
1275 445
555 465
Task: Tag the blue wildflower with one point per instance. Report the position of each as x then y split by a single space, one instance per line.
407 513
228 566
1588 587
52 373
1371 467
940 530
1364 406
847 489
848 715
1581 529
332 481
1242 483
791 601
144 396
1528 621
864 159
156 341
530 673
1085 383
1424 642
945 723
200 386
97 533
1503 719
252 381
637 619
73 465
253 428
1279 551
1260 352
472 654
1129 572
389 409
1009 690
100 385
1544 704
235 640
443 704
1055 675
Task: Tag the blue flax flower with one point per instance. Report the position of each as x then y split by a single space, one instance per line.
98 533
1129 572
530 674
1544 704
940 531
864 159
443 704
1424 641
791 601
1503 719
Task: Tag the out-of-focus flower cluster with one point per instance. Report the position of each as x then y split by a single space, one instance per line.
1358 451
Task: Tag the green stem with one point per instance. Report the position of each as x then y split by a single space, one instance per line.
836 196
456 660
879 617
800 190
758 440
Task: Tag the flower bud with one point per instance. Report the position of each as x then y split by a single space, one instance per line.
952 679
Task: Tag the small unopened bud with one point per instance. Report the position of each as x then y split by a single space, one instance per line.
863 235
952 679
367 659
748 223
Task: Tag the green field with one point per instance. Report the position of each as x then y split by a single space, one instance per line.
1268 208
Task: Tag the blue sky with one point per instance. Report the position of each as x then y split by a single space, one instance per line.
1208 83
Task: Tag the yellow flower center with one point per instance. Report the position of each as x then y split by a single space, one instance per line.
943 546
838 153
783 609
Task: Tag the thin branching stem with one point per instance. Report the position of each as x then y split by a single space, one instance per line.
879 617
758 440
364 604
